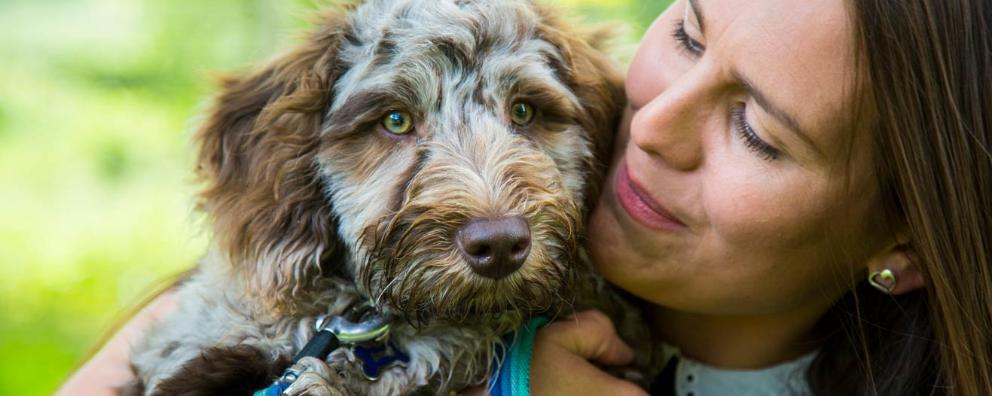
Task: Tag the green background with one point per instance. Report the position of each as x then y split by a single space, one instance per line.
97 102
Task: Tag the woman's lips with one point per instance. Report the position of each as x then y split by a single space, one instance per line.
640 206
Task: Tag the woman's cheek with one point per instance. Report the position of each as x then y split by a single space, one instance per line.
744 213
748 267
756 202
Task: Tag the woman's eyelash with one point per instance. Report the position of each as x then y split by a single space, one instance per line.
686 43
751 139
743 129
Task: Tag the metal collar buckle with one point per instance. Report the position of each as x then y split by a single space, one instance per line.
363 329
371 326
367 337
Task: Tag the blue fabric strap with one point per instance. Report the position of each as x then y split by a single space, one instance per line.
511 376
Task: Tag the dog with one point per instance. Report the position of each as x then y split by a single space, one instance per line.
431 159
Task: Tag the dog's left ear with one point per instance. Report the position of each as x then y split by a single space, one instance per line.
594 77
257 159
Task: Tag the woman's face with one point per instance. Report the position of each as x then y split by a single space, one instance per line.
740 184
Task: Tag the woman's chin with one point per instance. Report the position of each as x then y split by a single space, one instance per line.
628 256
609 246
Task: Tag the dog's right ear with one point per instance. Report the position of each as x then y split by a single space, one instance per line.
598 83
257 159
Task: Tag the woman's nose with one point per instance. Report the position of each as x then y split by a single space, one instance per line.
669 127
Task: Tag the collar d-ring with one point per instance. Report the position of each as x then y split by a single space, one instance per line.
371 326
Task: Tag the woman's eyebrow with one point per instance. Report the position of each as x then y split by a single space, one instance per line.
776 111
699 15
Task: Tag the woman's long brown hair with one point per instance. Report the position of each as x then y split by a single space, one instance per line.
928 66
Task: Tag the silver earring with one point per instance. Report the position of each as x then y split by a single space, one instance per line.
884 280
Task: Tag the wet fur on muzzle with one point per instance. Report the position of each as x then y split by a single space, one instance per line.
316 207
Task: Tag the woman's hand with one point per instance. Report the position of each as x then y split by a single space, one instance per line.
109 368
564 352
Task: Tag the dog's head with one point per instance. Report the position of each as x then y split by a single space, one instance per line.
442 153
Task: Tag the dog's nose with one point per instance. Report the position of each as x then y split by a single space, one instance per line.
495 248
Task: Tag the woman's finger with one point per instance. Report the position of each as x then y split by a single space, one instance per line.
562 354
591 335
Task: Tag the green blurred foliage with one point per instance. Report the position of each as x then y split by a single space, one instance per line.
97 99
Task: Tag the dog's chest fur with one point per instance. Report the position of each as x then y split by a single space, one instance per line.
210 319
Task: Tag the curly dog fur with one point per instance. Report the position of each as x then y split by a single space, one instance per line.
315 207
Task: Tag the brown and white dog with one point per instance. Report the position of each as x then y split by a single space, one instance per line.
434 157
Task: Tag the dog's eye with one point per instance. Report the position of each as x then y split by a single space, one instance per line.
521 113
398 122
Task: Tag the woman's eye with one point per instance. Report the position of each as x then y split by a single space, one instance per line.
686 43
398 122
750 138
521 113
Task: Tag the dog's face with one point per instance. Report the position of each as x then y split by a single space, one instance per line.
440 152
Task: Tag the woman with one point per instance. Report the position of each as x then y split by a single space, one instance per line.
775 156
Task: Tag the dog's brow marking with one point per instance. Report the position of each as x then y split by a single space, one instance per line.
439 94
352 39
477 94
365 107
554 61
386 50
459 54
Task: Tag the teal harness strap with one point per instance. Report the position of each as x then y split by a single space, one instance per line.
511 376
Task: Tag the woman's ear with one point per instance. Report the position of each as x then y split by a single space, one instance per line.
257 160
896 270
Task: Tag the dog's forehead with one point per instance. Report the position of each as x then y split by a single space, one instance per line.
450 39
465 20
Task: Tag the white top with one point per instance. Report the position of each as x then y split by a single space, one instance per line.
693 378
